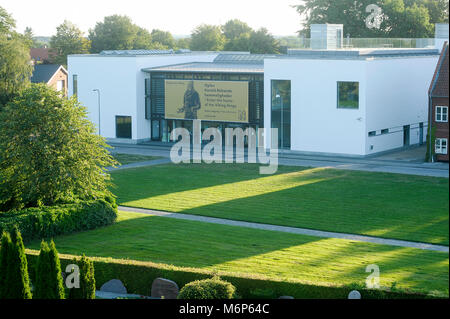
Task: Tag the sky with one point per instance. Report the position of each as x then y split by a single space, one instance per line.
179 17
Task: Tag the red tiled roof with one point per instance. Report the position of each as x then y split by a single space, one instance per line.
439 84
40 54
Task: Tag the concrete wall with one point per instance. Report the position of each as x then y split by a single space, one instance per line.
397 95
121 84
392 93
317 124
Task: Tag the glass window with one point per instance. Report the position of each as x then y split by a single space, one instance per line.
123 126
75 84
385 131
441 146
441 114
348 95
372 133
281 111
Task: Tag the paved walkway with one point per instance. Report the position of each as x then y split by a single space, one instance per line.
398 162
141 164
292 230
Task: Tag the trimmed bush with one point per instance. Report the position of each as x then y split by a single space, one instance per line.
48 222
137 277
17 281
87 280
213 288
49 282
6 246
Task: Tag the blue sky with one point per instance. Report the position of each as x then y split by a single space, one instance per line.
177 16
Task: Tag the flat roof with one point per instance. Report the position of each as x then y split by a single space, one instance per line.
360 53
210 67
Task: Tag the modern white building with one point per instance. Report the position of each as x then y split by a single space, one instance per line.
350 102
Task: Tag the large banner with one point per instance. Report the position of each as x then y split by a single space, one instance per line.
225 101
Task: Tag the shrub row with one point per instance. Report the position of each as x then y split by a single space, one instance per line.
138 276
47 222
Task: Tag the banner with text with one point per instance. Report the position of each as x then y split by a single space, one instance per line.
225 101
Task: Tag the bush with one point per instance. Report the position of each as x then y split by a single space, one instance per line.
49 282
213 288
87 280
137 276
6 245
48 222
17 283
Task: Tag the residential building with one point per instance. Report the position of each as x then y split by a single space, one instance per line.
54 75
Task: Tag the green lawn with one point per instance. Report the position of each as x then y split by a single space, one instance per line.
124 159
273 254
378 204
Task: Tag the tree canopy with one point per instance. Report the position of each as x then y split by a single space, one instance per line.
207 38
400 18
68 40
15 67
49 151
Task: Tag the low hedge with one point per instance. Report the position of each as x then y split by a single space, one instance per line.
213 288
50 221
137 276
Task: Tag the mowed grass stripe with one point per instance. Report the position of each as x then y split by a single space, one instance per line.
386 205
250 251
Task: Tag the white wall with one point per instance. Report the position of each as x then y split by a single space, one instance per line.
121 84
397 95
317 125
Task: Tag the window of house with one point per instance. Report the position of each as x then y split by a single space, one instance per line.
372 133
123 126
385 131
60 86
441 146
441 113
75 84
348 95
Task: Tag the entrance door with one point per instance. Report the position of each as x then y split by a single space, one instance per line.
406 135
156 131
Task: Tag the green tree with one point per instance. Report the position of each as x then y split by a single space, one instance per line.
87 280
207 38
401 18
183 43
263 42
233 29
18 282
68 40
15 67
5 249
241 43
7 23
116 32
49 151
49 282
164 38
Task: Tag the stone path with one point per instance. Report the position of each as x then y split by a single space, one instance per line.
141 164
292 230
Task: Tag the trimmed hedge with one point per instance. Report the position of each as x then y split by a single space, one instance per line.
51 221
137 276
213 288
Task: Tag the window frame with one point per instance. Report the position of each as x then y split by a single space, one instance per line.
337 96
439 148
131 126
441 113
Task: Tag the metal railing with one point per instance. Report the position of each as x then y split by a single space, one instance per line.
361 43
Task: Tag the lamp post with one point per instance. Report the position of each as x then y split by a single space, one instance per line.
278 96
98 93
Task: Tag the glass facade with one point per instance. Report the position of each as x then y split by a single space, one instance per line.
281 111
155 103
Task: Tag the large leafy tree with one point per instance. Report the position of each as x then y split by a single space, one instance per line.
401 18
164 38
262 41
234 28
207 38
118 32
49 151
15 67
68 40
